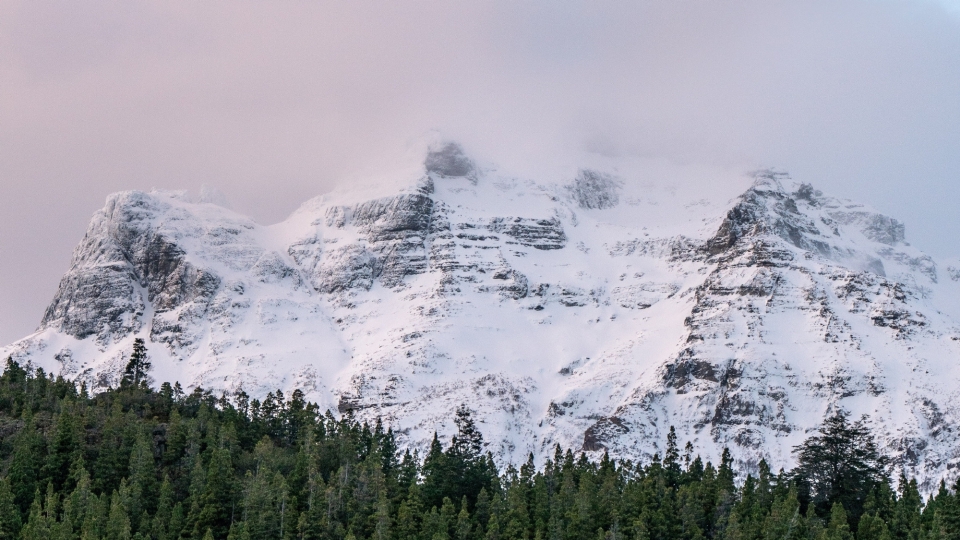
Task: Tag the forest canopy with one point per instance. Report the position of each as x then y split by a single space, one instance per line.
141 463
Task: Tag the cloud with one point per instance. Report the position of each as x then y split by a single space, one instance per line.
272 103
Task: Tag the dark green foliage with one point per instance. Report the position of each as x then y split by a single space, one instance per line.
841 464
135 373
9 513
138 464
460 471
26 463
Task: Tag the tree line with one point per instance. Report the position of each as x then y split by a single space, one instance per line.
141 463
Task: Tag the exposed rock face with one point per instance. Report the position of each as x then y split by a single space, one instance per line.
765 209
394 230
595 190
187 277
536 233
776 278
553 310
121 266
449 160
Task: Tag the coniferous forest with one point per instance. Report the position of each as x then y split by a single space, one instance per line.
142 463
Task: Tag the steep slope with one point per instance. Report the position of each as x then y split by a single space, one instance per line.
594 310
202 286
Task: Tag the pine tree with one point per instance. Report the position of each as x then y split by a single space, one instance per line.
76 505
872 527
841 464
313 520
947 519
381 518
160 525
63 450
318 477
142 480
113 452
482 512
214 508
238 531
837 528
178 521
118 521
463 526
671 459
493 528
263 496
135 374
10 521
42 517
469 441
438 478
27 461
409 515
95 517
905 522
517 518
434 527
813 523
784 521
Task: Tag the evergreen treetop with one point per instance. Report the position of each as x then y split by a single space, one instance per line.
135 372
840 464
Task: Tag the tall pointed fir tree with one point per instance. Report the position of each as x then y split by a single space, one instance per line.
9 513
135 373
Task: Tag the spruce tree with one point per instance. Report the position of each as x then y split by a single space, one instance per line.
160 525
516 518
671 459
178 520
872 527
27 461
409 515
438 478
36 527
214 508
95 517
493 528
118 520
905 522
837 528
947 519
142 480
135 373
841 464
64 448
10 521
784 521
382 521
76 505
482 512
463 526
319 477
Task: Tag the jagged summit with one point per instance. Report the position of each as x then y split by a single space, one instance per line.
448 160
593 309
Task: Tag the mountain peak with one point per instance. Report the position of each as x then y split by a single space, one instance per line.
556 309
769 181
448 159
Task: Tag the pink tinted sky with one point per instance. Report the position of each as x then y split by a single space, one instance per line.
272 102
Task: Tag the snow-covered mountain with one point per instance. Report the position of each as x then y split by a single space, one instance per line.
593 311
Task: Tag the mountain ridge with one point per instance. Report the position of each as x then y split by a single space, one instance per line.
565 311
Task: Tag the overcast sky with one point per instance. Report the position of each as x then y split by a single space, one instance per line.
272 102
